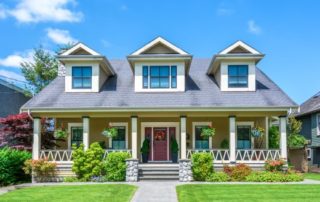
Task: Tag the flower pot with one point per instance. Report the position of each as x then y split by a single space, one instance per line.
145 158
174 157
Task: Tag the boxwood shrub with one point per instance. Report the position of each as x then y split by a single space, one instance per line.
218 177
265 176
202 166
115 166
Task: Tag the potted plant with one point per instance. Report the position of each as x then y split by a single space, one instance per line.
257 132
60 132
145 150
110 132
208 131
174 150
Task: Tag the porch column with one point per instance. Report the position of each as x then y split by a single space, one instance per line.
267 124
283 137
86 129
134 137
232 139
36 145
183 131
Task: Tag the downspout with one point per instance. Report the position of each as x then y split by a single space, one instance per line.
29 114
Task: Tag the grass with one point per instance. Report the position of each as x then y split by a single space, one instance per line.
274 192
312 176
78 193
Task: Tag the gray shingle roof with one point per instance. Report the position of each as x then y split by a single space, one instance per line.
312 105
201 91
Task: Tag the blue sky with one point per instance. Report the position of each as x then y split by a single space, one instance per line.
288 32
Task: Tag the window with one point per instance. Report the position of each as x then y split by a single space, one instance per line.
159 76
82 77
200 141
237 76
309 154
318 124
244 137
119 142
76 136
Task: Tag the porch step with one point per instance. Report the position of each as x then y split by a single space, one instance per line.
159 171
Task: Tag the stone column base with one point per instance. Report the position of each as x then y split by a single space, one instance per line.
185 172
132 170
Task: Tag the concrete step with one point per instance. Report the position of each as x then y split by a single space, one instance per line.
144 173
158 171
159 178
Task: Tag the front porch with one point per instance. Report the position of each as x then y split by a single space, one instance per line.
235 130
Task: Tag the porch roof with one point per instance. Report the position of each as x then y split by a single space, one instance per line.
202 91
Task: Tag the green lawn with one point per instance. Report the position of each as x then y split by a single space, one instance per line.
77 193
284 192
312 176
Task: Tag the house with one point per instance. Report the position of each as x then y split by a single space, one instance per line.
11 99
160 92
310 116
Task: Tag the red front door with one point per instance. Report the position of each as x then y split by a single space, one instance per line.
160 144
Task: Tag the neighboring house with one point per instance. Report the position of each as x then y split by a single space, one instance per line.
161 92
11 98
309 114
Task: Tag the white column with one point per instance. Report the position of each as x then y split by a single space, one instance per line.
36 146
232 138
183 139
267 131
283 137
134 136
86 129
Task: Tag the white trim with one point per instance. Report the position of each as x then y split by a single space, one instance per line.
267 126
162 41
241 44
317 122
155 125
245 123
80 46
309 154
70 125
123 124
194 124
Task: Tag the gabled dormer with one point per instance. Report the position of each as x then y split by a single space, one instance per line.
234 67
86 70
160 66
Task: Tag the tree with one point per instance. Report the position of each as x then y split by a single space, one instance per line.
295 139
41 71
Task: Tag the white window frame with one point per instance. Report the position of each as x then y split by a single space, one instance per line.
245 123
120 124
194 124
70 125
317 122
309 154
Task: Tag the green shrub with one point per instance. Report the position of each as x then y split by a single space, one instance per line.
42 169
274 137
238 172
274 165
87 164
218 177
296 141
72 179
202 166
11 164
224 144
115 166
266 176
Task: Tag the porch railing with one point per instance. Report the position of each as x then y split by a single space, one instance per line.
66 155
219 155
257 155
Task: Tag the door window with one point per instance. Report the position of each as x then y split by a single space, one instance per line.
76 136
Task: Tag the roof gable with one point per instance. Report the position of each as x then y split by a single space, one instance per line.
239 47
80 49
159 46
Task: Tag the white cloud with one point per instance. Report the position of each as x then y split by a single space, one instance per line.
60 36
16 59
253 27
224 12
27 11
9 74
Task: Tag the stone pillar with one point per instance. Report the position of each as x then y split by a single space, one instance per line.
283 137
132 170
134 137
36 145
232 139
185 172
183 137
86 129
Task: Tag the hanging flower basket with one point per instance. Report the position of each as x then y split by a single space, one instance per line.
110 132
60 133
257 132
208 132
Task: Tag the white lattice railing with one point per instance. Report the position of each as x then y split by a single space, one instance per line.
66 155
257 155
56 155
219 155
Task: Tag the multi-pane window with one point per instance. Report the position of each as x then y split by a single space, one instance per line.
200 141
244 137
318 124
82 77
238 76
76 136
159 76
119 142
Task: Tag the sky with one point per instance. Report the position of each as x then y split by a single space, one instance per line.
288 32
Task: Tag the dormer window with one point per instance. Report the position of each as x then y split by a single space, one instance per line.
159 76
82 77
238 76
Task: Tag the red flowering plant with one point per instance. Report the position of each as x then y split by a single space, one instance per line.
274 165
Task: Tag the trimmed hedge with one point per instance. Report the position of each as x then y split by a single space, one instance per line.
265 176
218 177
11 164
202 166
115 166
